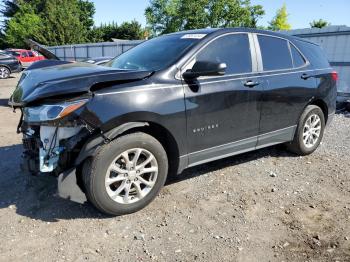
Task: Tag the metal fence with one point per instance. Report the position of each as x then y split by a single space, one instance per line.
83 51
335 40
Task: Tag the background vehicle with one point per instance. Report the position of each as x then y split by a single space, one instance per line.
343 98
8 64
26 57
170 103
98 60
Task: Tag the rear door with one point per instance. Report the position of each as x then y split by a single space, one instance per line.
287 90
223 111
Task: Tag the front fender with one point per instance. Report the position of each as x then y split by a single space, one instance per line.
91 147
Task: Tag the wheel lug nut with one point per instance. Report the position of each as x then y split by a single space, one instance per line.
136 179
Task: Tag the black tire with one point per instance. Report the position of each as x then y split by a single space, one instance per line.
298 146
95 169
4 72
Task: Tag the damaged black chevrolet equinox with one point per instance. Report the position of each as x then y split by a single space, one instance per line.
114 133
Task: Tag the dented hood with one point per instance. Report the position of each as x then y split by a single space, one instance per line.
66 79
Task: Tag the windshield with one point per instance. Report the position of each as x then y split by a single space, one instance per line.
155 54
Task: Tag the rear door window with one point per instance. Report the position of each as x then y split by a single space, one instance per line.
24 54
275 53
233 50
298 59
31 54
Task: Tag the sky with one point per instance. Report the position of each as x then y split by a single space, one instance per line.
302 12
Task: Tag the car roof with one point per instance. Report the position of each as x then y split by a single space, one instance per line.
219 31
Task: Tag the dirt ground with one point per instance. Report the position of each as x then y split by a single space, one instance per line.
267 205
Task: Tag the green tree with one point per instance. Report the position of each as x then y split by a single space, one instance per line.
130 30
232 13
2 41
61 21
163 17
61 24
256 12
23 25
280 21
127 30
87 10
319 23
166 16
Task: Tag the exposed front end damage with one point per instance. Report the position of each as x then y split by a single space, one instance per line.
59 130
52 150
46 148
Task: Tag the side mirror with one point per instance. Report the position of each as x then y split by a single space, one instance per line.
205 68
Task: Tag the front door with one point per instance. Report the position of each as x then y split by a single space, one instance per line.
223 111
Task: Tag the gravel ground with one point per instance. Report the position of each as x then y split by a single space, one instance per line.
267 205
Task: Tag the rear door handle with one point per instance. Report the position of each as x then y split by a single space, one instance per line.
251 84
305 76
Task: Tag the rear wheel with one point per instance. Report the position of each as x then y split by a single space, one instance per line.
4 72
309 131
126 175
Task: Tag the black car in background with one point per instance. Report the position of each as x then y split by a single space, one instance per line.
115 133
8 65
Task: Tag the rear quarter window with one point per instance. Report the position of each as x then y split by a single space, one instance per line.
314 53
298 59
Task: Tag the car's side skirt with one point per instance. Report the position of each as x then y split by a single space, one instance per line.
239 147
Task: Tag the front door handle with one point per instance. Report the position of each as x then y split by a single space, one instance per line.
251 84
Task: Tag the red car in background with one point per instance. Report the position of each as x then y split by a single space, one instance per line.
26 57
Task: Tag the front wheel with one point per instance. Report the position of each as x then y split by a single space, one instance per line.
126 174
309 131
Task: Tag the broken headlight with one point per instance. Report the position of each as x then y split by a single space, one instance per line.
51 112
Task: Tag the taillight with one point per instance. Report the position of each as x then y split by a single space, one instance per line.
334 76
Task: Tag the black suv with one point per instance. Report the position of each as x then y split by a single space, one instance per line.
116 132
8 64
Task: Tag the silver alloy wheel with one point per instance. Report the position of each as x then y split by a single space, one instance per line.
312 131
131 176
4 72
